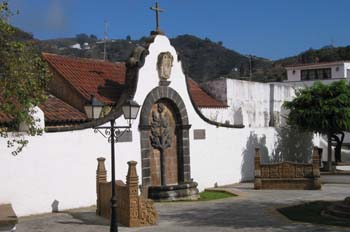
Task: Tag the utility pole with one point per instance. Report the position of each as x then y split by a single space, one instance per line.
250 68
105 41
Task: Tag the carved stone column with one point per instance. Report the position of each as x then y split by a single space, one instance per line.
132 182
257 170
101 177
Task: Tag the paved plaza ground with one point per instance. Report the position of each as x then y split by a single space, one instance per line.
253 210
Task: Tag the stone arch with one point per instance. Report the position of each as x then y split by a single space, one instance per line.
164 93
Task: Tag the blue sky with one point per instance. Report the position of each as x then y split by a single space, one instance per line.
267 28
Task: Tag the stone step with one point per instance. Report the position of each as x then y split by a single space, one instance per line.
336 212
340 177
343 164
343 208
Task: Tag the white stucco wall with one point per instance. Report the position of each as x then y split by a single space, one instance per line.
255 102
62 166
56 166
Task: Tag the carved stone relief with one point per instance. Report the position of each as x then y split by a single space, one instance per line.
164 65
163 141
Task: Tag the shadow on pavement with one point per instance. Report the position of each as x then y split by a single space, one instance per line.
236 216
85 218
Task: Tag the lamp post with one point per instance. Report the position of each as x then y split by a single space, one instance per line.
94 108
250 68
113 133
250 58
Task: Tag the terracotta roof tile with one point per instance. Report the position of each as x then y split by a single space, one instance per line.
4 119
201 98
57 111
105 80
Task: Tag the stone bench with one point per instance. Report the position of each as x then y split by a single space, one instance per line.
287 175
8 218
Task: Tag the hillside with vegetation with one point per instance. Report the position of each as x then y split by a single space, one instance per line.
202 59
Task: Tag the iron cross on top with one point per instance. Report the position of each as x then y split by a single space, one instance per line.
157 10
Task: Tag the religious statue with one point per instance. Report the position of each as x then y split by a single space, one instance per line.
164 65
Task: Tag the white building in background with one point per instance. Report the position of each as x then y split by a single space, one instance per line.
252 104
325 72
76 46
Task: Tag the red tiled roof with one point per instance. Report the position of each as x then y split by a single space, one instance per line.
4 119
57 111
90 76
105 80
201 98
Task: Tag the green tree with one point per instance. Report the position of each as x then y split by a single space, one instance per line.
23 80
292 145
323 109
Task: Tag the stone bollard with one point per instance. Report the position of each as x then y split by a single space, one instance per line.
316 168
257 170
315 163
101 177
132 182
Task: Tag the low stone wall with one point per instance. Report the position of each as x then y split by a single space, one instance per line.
8 218
132 210
287 175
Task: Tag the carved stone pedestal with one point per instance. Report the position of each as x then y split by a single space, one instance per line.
133 210
184 191
340 211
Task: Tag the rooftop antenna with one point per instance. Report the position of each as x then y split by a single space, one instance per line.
105 40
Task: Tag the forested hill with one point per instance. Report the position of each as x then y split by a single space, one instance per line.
326 54
202 59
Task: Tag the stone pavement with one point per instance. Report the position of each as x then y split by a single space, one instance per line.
253 210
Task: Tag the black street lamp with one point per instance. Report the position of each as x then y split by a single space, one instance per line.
113 133
94 108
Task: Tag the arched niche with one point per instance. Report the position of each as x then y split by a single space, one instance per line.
175 112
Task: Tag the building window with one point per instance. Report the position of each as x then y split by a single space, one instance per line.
316 74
